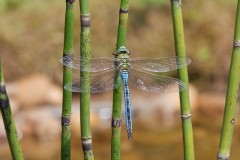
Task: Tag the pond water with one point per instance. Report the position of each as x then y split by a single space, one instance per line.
158 142
152 140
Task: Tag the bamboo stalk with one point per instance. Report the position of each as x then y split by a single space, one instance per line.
8 120
85 96
232 94
67 77
183 76
117 93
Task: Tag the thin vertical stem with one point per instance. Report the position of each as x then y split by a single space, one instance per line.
117 92
85 96
8 120
67 77
232 94
183 76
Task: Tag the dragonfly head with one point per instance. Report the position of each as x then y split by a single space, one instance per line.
122 50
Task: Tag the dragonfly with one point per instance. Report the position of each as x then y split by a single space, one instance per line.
139 73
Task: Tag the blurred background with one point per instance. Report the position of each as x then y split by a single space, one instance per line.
31 44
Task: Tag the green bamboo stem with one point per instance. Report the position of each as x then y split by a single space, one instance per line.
8 120
117 92
183 76
67 77
232 94
85 96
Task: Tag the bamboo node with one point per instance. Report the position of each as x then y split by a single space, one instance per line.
87 143
4 103
223 156
237 44
232 121
116 123
66 120
70 1
179 2
85 20
2 88
123 10
66 53
186 116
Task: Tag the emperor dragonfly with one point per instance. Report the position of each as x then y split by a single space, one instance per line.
139 73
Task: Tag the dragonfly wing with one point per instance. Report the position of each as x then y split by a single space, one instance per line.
160 64
154 83
98 83
89 65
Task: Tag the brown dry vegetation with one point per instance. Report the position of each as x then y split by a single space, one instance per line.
31 35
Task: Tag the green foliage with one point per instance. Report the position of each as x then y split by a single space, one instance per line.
148 4
149 32
14 3
10 4
3 5
203 54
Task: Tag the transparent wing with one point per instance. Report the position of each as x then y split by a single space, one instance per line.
154 83
89 65
98 83
160 65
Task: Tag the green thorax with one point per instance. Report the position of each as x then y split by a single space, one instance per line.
123 62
